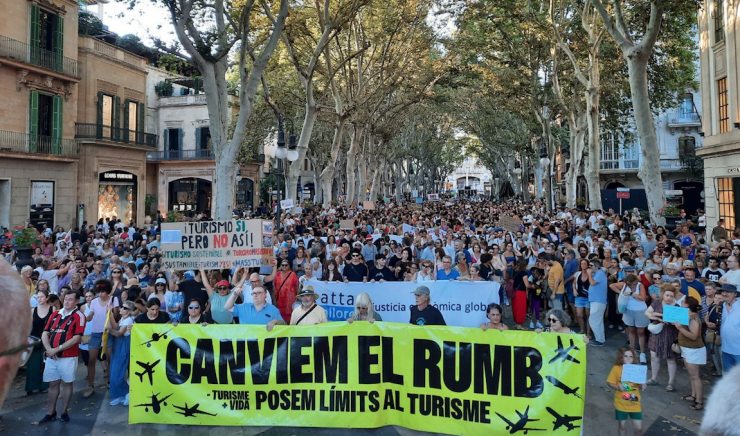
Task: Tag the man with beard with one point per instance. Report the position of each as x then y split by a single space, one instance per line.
308 313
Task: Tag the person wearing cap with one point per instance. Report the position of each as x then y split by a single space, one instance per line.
218 299
730 327
308 313
689 285
355 270
423 313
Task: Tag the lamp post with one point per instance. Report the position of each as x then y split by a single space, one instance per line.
291 153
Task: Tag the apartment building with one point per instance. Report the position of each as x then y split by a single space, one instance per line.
720 84
39 82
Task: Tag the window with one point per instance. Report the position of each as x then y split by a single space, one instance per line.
173 143
686 112
46 39
727 189
724 110
203 139
45 123
719 21
609 153
108 116
631 156
133 121
687 146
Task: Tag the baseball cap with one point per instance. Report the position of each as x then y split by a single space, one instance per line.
421 290
160 281
222 283
729 287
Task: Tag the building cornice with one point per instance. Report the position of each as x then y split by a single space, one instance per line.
120 62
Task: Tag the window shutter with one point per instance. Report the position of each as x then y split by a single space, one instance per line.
56 128
117 109
35 33
58 43
179 143
140 123
198 138
99 117
126 120
166 142
33 126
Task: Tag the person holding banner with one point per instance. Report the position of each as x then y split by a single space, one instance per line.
364 310
423 313
285 285
120 362
494 313
308 313
195 314
259 311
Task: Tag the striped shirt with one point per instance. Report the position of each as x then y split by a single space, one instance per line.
62 328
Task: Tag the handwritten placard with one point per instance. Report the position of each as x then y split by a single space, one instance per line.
216 244
433 197
676 314
346 224
286 204
510 224
634 373
368 205
407 228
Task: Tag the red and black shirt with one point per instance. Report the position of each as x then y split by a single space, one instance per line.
63 328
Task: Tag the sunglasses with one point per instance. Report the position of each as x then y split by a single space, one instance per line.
222 288
362 307
552 320
355 255
284 264
125 308
193 307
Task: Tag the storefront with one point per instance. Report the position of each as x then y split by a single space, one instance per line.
245 194
117 195
190 195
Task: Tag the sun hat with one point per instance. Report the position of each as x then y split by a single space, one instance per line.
306 290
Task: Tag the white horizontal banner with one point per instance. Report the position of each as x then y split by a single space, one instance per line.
462 303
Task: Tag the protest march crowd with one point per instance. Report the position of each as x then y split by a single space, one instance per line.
565 271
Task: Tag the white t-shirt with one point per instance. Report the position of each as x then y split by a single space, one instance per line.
125 322
51 277
733 277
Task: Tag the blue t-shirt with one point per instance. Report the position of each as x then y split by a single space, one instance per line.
570 269
597 292
247 314
453 275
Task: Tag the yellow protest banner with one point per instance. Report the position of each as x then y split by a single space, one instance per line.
454 380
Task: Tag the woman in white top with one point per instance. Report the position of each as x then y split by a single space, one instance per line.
332 250
634 315
426 273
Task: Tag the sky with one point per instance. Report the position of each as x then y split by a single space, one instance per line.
148 19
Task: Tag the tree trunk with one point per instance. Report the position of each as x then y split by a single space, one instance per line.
354 146
327 175
594 136
649 171
578 129
539 183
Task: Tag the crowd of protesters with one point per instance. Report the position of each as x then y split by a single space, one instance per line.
565 271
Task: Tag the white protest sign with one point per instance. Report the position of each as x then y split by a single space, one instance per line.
216 244
433 197
634 373
407 228
286 204
461 303
346 224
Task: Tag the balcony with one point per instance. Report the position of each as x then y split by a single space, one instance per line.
114 134
685 121
183 100
170 155
16 142
623 164
23 53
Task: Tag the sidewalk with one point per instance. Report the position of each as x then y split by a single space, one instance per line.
664 412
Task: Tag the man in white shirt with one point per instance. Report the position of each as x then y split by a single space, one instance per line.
733 275
51 275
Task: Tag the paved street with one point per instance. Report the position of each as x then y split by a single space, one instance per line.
665 413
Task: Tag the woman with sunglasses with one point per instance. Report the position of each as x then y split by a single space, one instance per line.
558 322
35 365
119 364
285 283
364 310
160 293
195 314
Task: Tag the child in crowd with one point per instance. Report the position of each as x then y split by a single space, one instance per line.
626 394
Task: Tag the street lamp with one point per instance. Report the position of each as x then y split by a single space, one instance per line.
545 162
291 153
